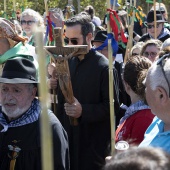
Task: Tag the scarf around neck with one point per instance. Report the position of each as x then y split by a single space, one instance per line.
31 115
132 109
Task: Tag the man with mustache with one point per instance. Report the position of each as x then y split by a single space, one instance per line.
20 114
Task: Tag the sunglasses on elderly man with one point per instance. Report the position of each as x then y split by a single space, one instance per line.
153 26
161 62
29 22
72 40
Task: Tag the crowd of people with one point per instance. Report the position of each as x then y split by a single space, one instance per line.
78 84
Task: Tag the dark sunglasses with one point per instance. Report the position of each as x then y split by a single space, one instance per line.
72 40
150 26
29 22
152 54
161 62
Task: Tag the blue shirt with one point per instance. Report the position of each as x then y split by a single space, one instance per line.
156 137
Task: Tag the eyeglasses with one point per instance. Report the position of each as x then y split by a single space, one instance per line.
72 40
134 54
161 62
150 26
29 22
152 54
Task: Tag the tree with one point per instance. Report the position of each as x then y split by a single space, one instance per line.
99 5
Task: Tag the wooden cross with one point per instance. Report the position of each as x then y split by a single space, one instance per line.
62 68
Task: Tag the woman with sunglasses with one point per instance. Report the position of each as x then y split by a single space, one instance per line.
151 49
29 19
161 34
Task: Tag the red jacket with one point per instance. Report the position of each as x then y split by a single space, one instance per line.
133 128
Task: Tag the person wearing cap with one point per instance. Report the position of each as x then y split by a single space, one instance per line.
119 91
163 10
161 33
99 39
20 114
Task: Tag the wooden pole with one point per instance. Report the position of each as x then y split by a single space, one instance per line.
46 7
54 91
155 24
5 9
78 2
111 84
114 4
70 2
14 7
130 38
54 94
46 135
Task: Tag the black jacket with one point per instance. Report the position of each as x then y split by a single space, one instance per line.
89 141
27 138
146 37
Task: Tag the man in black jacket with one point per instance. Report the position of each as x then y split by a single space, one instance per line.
89 140
161 33
120 95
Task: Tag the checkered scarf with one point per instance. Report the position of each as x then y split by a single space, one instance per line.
132 109
31 115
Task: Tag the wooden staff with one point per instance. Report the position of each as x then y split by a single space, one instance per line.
14 8
46 7
46 135
114 4
54 91
111 83
4 8
78 2
130 38
155 24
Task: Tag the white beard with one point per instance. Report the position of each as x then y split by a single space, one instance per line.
12 114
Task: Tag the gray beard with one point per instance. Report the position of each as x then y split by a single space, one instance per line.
14 114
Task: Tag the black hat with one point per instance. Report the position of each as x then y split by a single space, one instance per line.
19 70
159 8
150 17
100 37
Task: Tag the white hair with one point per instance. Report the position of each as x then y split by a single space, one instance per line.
138 45
165 44
156 76
38 18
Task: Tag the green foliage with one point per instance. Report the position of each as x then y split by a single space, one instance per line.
100 6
